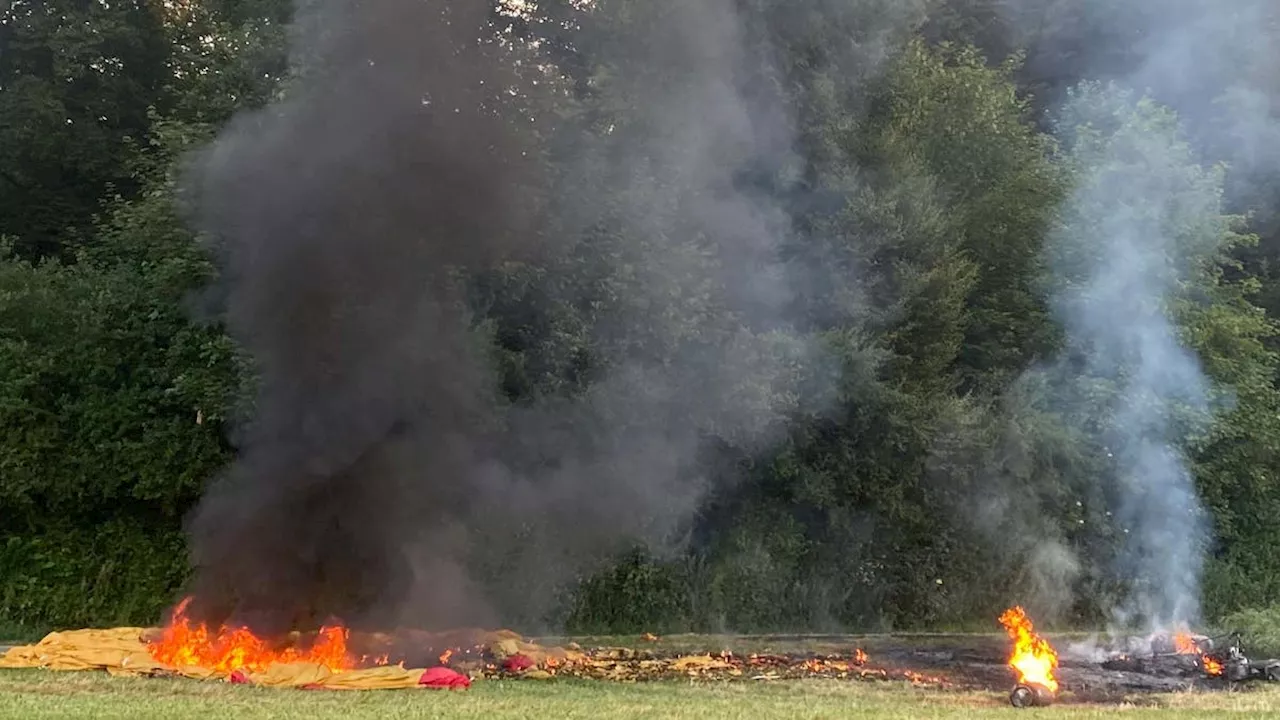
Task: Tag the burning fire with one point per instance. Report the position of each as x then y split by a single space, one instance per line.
1185 644
186 644
1211 666
1033 658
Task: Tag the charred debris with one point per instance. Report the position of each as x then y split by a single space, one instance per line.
1221 657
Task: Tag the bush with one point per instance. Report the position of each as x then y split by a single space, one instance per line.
1260 630
121 572
638 594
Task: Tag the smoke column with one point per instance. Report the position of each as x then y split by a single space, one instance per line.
1132 200
1143 218
380 479
340 212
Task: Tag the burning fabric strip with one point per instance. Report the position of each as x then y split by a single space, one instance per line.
125 652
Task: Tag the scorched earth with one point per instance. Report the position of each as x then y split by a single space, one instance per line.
1022 663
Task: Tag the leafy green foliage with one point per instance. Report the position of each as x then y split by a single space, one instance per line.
119 572
76 80
109 395
1259 628
656 597
944 171
114 407
82 83
968 127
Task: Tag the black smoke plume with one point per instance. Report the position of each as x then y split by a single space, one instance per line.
382 480
342 212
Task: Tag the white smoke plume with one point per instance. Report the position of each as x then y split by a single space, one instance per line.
1146 216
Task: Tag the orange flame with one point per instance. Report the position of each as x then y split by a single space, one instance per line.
1033 658
186 644
1184 644
1211 666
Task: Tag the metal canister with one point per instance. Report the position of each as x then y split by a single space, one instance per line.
1026 695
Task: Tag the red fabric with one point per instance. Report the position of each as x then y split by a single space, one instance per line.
443 677
517 663
238 678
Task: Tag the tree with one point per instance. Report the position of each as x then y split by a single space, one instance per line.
970 130
114 406
76 82
945 188
80 87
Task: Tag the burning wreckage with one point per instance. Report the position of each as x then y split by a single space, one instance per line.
1161 662
338 658
1184 654
1033 659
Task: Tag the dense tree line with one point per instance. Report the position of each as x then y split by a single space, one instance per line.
938 146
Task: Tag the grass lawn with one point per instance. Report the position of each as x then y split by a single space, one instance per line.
39 694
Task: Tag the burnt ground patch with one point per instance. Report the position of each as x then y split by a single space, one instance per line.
942 662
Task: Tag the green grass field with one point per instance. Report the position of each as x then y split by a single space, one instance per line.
37 694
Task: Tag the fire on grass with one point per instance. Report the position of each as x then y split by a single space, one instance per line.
183 643
337 657
1033 659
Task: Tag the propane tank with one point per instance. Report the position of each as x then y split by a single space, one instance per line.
1238 669
1026 695
1237 666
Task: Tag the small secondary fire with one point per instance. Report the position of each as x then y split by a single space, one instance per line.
1032 658
1182 653
1212 667
1226 660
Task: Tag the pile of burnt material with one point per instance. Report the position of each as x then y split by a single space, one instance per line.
1197 656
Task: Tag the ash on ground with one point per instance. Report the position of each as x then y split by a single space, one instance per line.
1127 670
1121 670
